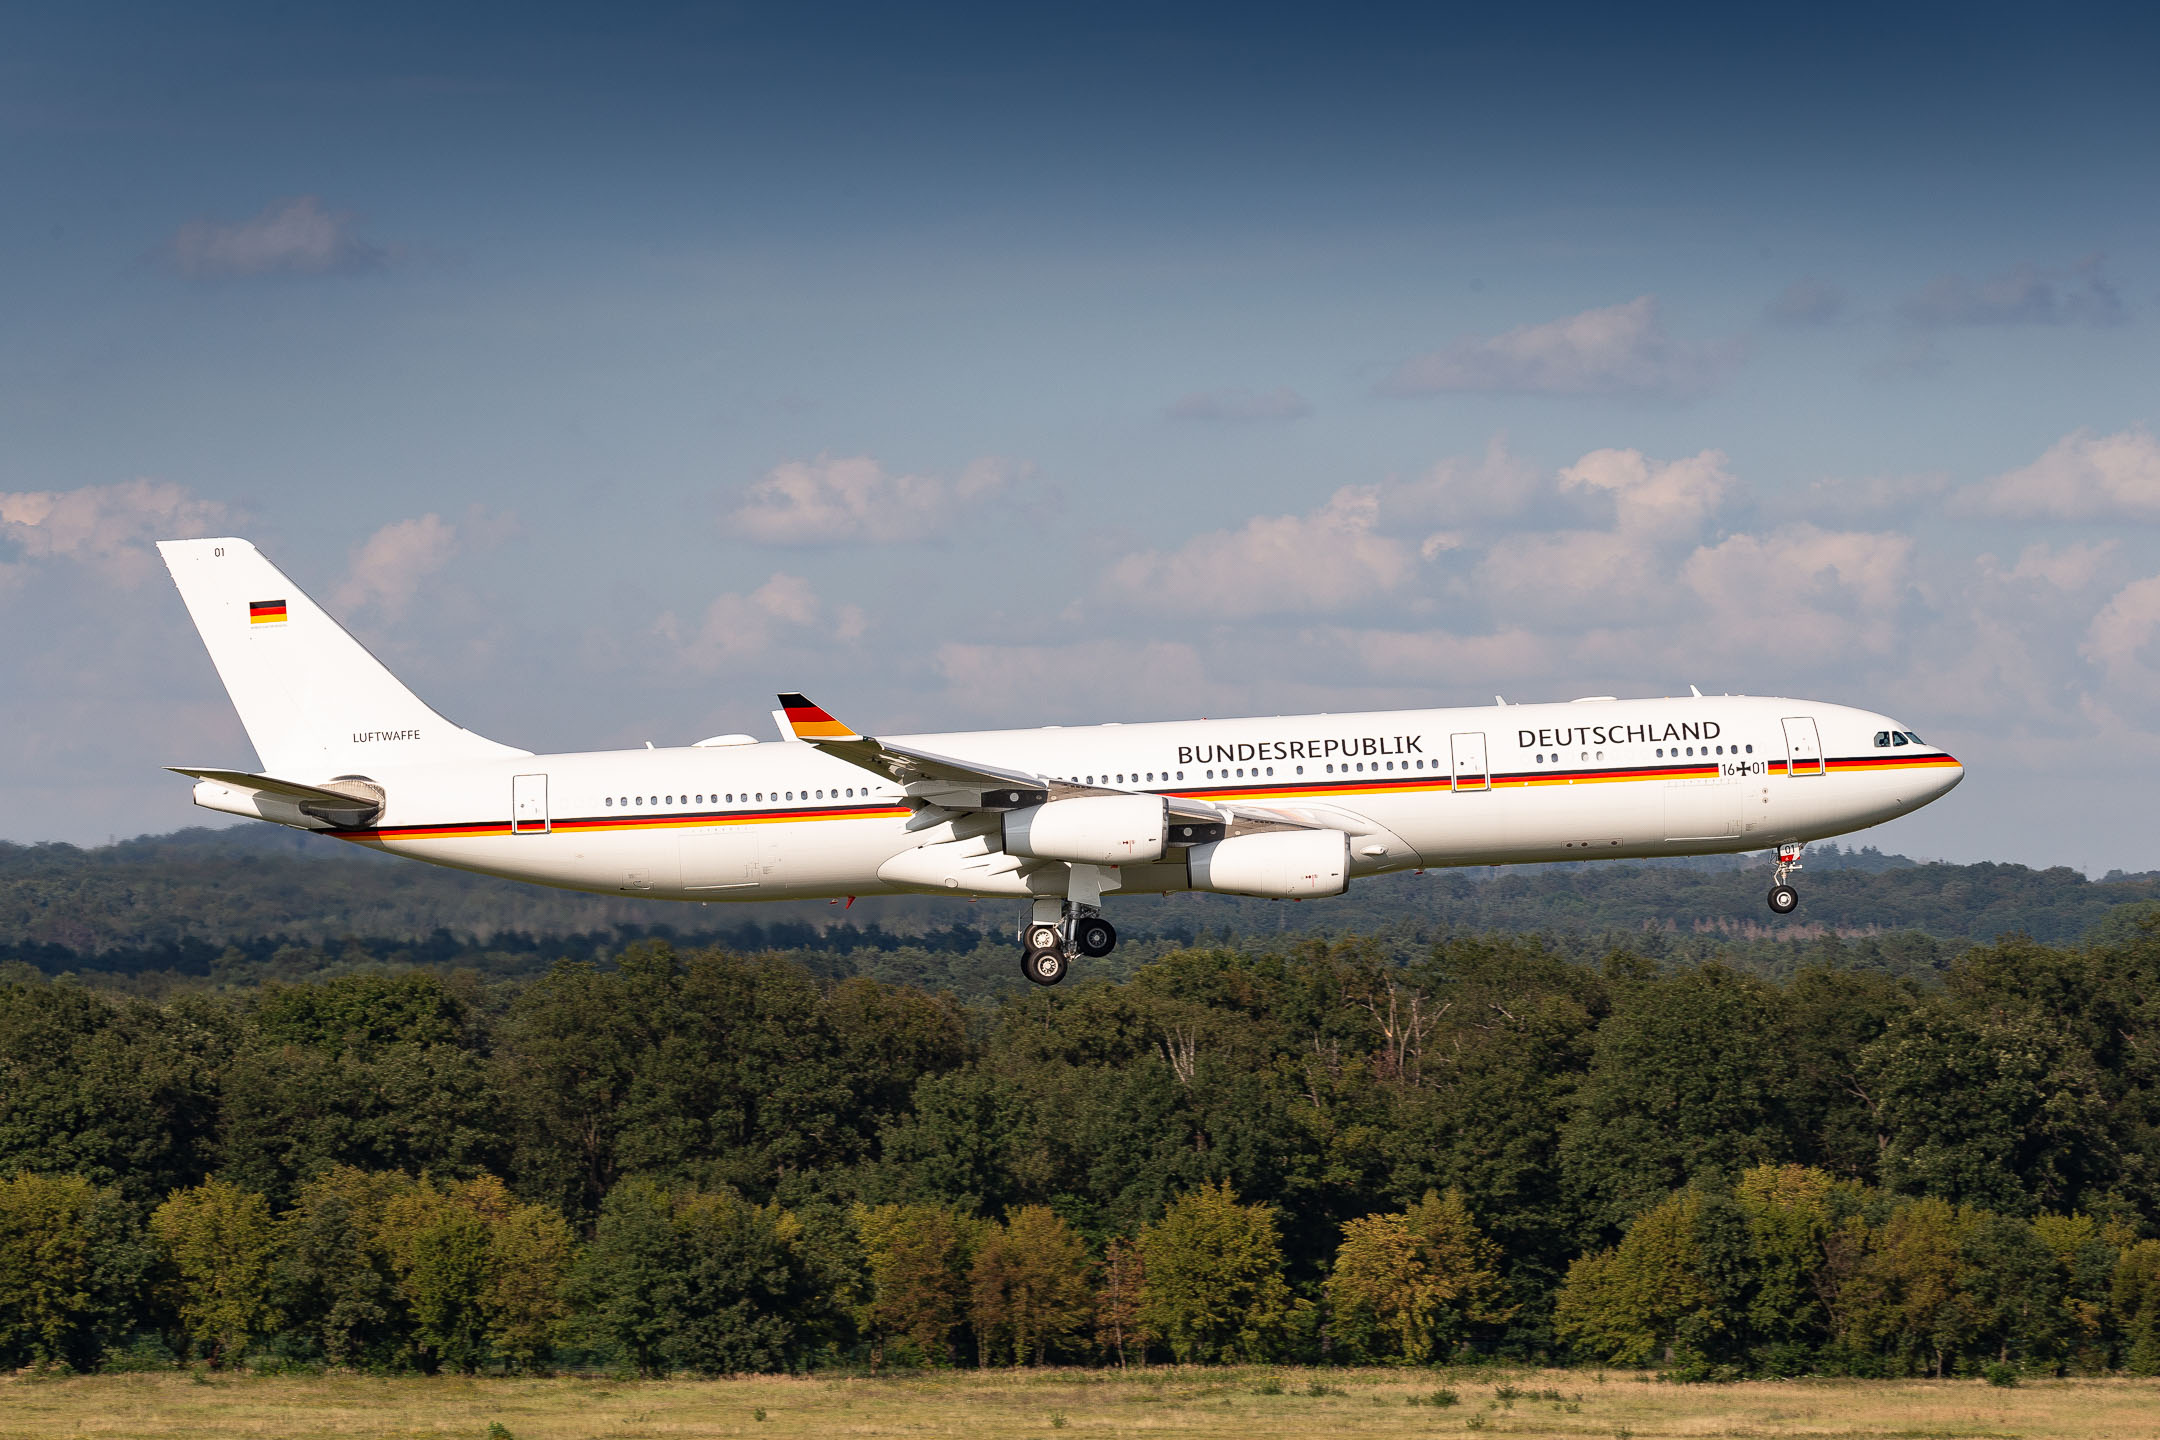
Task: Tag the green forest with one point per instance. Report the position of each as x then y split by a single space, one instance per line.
1326 1149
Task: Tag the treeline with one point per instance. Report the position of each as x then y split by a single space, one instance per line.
204 903
709 1161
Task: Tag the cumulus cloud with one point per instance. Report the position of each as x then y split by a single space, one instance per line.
390 566
1809 301
1281 403
2025 294
857 501
109 528
1621 350
290 237
1827 592
2120 639
2082 476
1328 559
738 627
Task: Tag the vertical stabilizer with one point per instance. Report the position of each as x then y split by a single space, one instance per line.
314 701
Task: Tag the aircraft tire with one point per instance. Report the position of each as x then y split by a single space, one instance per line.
1096 938
1044 937
1784 899
1044 967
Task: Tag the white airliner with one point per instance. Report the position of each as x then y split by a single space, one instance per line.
1289 807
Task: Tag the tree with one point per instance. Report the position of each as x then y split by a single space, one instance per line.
121 1092
481 1275
1214 1286
1638 1301
223 1242
1692 1078
1903 1299
705 1282
336 1280
2135 1301
1998 1110
377 1071
1408 1287
1028 1292
917 1259
1117 1300
73 1264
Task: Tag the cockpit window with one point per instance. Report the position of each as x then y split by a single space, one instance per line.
1909 735
1882 739
1897 737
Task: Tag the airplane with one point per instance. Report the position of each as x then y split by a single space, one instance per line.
1059 818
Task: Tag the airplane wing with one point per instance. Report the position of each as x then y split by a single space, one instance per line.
954 784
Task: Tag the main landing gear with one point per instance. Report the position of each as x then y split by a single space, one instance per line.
1783 898
1059 932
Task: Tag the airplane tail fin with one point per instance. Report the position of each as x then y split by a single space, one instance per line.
315 703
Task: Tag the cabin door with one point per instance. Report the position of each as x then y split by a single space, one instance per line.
1803 747
528 805
1467 750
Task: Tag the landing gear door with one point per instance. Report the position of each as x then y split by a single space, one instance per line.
1803 747
1467 750
528 805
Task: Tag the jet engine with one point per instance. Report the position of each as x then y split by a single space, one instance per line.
1090 830
1275 864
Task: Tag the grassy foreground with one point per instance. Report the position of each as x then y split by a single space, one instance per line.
1159 1402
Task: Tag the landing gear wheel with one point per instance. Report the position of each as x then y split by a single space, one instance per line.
1784 899
1044 967
1044 937
1096 937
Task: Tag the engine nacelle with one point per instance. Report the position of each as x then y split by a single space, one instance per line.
1275 864
1090 830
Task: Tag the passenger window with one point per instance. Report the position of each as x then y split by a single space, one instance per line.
1540 758
1751 749
1301 769
1271 769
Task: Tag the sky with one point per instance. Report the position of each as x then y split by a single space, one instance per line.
608 369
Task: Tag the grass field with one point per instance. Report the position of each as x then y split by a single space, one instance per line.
1161 1402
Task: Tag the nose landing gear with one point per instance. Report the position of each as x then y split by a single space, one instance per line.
1051 942
1783 898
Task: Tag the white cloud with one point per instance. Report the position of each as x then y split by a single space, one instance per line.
390 566
290 237
1332 558
109 528
1651 500
2082 476
1619 350
1815 594
2120 639
856 500
2066 567
1012 681
1281 403
2025 294
738 627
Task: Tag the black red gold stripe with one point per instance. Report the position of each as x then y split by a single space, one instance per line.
266 612
1302 789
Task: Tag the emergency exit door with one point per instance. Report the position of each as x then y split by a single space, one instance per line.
528 805
1467 750
1803 747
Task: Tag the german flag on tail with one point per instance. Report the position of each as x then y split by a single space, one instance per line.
266 612
809 722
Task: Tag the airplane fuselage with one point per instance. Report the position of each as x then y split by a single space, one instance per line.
1592 779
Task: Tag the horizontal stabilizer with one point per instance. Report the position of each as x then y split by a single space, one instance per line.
268 784
345 804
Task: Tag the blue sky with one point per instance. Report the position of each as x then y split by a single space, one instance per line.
967 366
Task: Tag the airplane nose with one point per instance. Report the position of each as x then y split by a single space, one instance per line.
1951 775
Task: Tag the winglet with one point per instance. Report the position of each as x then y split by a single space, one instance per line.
809 722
